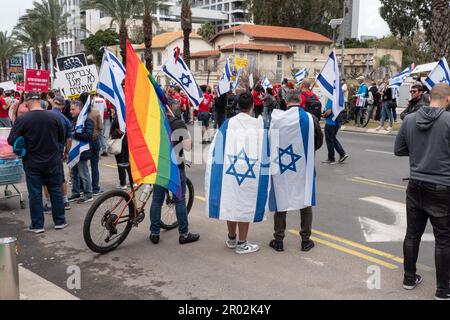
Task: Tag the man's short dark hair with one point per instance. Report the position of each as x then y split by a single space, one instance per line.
245 101
417 86
2 91
203 88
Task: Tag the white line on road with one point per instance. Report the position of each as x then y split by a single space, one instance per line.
378 151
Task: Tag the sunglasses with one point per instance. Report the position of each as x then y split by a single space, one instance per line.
414 91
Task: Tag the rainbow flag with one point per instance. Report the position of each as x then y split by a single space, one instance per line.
152 157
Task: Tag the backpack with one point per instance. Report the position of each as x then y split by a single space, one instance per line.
313 106
370 98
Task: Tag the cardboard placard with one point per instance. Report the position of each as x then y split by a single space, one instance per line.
72 62
76 81
37 80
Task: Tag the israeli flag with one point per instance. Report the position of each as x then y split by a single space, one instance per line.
266 83
329 81
112 73
225 81
236 82
177 70
397 81
237 171
440 74
293 184
78 147
300 76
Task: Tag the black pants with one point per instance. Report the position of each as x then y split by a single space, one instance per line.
123 164
306 224
332 142
220 119
428 201
259 110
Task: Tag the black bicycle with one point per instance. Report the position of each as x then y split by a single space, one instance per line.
113 215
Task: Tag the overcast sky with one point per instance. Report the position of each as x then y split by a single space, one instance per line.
370 24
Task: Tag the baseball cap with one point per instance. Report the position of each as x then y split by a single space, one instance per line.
360 78
34 96
59 100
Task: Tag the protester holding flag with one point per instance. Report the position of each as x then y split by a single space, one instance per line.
204 116
298 135
440 74
332 128
237 175
80 155
42 133
417 101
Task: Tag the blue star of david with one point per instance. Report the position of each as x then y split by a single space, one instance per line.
294 159
444 80
250 174
185 80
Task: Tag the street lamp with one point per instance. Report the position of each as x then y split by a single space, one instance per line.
334 23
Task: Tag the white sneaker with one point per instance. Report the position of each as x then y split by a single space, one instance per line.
36 231
247 248
61 227
122 187
390 129
231 244
379 128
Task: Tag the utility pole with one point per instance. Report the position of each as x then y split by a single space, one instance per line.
343 43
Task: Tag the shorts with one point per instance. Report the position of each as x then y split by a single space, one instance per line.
204 118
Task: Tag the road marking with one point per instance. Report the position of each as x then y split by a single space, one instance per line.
351 252
377 151
114 166
378 183
375 231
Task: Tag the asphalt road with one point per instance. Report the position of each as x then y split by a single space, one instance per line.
338 268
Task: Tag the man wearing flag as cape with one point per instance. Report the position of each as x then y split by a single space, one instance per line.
152 157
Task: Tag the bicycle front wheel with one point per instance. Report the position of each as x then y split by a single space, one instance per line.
108 221
168 213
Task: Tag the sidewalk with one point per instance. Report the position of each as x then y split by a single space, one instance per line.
351 128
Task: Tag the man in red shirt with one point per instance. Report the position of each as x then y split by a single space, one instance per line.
203 113
5 122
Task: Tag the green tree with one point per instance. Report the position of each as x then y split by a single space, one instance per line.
406 18
207 31
50 14
186 26
8 48
120 11
440 35
100 39
310 15
29 34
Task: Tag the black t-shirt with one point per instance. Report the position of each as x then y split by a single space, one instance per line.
43 132
179 133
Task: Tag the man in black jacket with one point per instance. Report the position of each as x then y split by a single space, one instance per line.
425 139
417 101
80 172
43 133
293 100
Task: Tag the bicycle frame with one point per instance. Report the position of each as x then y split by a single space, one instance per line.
132 198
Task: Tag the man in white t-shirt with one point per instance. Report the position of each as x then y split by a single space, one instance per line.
100 106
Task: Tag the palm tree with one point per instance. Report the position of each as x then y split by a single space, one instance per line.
147 22
120 11
50 13
186 25
440 29
386 62
8 48
30 36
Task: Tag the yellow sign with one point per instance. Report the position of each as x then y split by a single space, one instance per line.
241 63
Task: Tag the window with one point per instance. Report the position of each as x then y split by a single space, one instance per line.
227 7
159 58
307 49
216 65
322 50
197 65
279 61
205 65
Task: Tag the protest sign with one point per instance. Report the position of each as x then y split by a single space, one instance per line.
76 81
8 85
20 86
72 62
37 80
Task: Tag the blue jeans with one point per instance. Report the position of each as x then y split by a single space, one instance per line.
386 113
102 140
81 172
5 123
332 142
95 159
36 179
159 195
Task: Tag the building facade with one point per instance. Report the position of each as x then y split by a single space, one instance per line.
234 10
372 63
350 25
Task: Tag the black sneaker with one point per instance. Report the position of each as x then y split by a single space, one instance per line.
277 245
97 193
412 284
308 245
154 238
442 296
105 154
85 200
67 206
190 238
342 160
74 198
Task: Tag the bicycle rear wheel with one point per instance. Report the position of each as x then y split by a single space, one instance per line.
103 230
168 212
